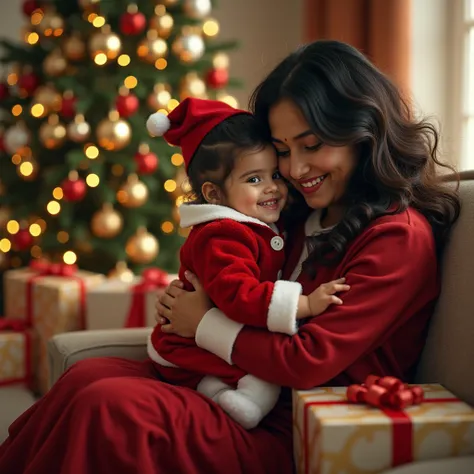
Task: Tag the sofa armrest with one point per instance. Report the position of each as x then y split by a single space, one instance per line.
67 348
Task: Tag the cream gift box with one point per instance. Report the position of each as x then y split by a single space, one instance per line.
334 436
15 356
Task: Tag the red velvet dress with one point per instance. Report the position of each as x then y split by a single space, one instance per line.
115 416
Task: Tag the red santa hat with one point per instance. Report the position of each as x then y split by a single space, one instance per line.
188 124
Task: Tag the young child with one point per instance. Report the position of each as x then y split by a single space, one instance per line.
234 248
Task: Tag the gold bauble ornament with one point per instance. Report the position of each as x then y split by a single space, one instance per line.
133 193
121 272
49 98
152 47
105 42
220 61
142 247
74 47
192 86
188 47
5 214
52 133
55 63
113 133
106 223
51 24
162 22
78 130
28 169
197 9
160 96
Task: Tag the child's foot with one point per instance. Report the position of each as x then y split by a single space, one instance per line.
241 408
212 387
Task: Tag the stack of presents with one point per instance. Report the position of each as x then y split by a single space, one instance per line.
46 298
361 429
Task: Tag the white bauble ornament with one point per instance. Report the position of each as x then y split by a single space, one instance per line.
158 124
197 8
15 138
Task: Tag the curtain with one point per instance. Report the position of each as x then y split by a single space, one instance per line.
381 29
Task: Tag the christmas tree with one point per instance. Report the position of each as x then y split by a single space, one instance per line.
81 180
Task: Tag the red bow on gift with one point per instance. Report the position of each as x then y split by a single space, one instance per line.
11 324
152 278
385 392
52 269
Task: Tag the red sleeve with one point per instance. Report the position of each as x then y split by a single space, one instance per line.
225 258
387 275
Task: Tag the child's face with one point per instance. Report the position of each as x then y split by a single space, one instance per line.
255 187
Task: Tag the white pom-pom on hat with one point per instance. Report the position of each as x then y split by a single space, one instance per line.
158 124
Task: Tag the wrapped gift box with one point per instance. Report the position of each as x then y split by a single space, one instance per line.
109 304
15 357
334 436
57 306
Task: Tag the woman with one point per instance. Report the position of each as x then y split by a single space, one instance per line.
349 147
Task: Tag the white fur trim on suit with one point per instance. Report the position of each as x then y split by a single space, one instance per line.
155 357
283 307
217 334
193 214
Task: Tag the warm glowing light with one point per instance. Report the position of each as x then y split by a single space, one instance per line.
42 224
123 60
36 17
98 21
12 79
170 185
229 100
130 82
26 168
13 226
16 159
100 59
161 64
167 227
163 111
58 193
5 245
177 159
92 17
32 38
92 152
92 180
70 257
210 28
17 110
117 170
179 201
37 110
35 230
53 207
62 237
172 104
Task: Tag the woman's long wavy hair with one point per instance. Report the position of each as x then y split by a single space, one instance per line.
348 101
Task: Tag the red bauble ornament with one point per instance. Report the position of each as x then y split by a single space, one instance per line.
22 240
133 22
4 91
68 105
74 188
29 6
127 104
28 82
146 161
217 78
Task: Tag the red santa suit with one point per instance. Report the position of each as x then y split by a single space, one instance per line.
238 260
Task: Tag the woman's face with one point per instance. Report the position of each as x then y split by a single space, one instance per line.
319 172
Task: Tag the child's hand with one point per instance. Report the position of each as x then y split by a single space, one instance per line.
325 295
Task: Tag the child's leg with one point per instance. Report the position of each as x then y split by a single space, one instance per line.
212 387
250 402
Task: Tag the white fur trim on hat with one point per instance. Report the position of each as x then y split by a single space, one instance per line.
158 124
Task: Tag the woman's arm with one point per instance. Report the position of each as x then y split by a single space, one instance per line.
225 256
392 275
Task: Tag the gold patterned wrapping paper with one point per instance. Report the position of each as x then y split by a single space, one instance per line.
333 436
15 357
56 308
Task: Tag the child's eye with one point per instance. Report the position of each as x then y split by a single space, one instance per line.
254 180
276 175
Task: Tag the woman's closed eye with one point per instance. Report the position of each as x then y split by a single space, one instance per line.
282 153
315 147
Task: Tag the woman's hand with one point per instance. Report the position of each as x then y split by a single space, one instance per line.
180 311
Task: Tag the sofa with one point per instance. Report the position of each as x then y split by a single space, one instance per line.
446 359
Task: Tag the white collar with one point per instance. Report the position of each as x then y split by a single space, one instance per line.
192 214
313 226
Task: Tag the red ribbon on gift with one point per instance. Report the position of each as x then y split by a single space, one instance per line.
152 279
44 268
19 325
391 396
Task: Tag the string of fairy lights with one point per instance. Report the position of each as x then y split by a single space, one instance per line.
113 133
